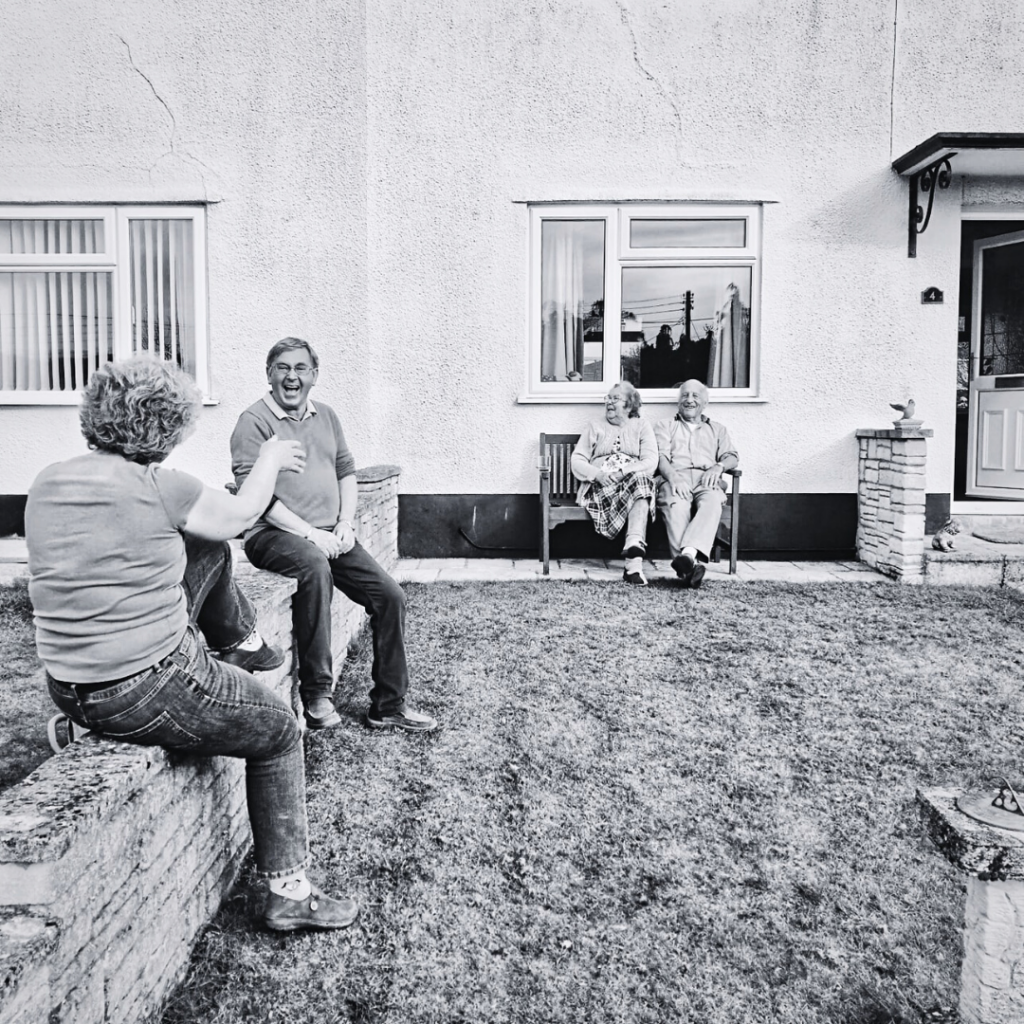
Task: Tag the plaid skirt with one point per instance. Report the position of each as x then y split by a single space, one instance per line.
609 505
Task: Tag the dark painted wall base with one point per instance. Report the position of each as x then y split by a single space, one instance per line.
804 526
506 526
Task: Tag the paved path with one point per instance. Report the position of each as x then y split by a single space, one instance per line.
428 570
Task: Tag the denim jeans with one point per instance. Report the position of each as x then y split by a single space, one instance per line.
192 703
358 576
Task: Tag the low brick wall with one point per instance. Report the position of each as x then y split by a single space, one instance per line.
891 501
113 858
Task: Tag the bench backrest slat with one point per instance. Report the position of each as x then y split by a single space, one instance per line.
559 447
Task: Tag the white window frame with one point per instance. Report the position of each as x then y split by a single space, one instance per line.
115 261
619 254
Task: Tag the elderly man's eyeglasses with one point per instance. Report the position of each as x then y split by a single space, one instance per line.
283 369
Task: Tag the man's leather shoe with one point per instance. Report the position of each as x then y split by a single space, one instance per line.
321 714
683 566
409 721
696 577
262 660
317 912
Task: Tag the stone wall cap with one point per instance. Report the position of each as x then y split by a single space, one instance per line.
374 474
41 815
895 434
988 853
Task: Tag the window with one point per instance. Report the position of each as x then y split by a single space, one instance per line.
80 286
652 293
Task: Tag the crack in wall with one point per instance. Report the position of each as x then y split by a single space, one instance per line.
676 113
892 82
173 151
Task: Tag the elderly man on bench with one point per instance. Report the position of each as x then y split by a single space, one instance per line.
693 452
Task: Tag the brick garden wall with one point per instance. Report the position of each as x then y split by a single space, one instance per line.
113 858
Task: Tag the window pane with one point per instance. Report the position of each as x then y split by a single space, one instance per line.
683 323
162 292
54 329
51 236
695 233
572 300
1002 310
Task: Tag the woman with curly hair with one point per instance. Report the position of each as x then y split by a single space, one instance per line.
615 459
128 565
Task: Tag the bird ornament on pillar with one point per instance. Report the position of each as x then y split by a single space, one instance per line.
906 423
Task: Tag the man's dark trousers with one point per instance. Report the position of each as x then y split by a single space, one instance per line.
358 576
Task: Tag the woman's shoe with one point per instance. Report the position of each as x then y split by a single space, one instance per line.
316 912
62 732
635 579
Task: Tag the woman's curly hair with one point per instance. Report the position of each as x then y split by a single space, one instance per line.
141 409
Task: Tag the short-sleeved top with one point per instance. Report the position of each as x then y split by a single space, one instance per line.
106 559
312 494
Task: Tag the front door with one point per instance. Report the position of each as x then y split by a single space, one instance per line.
995 458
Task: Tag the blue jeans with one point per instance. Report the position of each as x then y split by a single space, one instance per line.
192 703
358 576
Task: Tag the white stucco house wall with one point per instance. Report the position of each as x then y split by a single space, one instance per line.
377 177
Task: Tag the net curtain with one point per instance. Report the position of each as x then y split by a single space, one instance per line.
730 354
561 302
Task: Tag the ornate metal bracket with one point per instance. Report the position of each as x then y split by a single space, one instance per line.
934 176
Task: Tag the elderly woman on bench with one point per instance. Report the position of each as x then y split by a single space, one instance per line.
615 460
128 564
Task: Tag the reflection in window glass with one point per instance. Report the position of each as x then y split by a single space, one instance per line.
685 323
1002 310
572 300
729 233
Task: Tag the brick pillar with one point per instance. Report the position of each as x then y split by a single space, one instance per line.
891 499
993 858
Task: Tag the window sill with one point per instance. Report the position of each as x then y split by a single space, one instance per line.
567 398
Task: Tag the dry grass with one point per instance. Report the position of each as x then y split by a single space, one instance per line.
24 703
644 806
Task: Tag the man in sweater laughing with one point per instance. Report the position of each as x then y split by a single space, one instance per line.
307 533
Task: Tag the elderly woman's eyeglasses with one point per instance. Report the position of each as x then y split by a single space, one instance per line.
615 396
283 369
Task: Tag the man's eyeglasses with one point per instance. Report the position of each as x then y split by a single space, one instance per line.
283 369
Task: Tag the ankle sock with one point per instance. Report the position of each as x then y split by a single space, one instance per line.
634 564
293 887
691 553
253 642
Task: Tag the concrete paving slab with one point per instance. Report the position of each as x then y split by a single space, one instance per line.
13 549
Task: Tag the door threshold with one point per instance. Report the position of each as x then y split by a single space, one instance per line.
986 508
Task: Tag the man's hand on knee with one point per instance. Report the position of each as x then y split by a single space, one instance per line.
326 542
711 477
345 533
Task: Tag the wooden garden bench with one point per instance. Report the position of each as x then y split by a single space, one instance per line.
558 499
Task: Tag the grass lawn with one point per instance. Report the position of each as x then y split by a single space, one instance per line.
25 705
644 806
